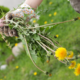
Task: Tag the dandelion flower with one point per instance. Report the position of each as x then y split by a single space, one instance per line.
73 63
47 61
77 70
50 15
61 53
17 67
50 3
34 21
16 37
52 20
50 75
16 44
55 13
57 35
79 18
45 22
35 73
4 76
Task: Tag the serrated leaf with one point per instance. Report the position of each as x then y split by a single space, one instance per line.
36 37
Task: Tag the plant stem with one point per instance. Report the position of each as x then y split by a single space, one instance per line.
31 57
48 47
42 46
50 24
48 40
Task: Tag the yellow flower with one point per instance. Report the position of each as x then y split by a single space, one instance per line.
45 22
79 18
17 67
57 35
77 70
50 3
52 20
0 79
34 21
47 61
73 63
78 55
16 44
50 75
55 13
71 55
16 37
61 53
50 15
4 76
35 73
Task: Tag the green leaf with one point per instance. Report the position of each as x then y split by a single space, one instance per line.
33 55
36 37
24 43
10 26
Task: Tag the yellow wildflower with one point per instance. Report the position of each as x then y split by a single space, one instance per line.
77 70
4 76
52 20
34 21
16 44
71 55
57 35
50 3
16 37
55 13
61 53
50 15
79 18
17 67
73 63
45 22
35 73
50 75
47 61
78 55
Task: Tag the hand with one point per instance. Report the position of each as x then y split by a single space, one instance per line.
7 17
1 23
27 3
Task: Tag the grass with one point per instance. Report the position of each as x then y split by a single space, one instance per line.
69 37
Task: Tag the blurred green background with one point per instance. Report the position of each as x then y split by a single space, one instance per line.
69 37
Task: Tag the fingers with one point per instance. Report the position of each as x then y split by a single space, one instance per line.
1 23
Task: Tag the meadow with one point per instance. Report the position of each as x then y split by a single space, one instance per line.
68 36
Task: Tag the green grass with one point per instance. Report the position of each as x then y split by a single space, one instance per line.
69 37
